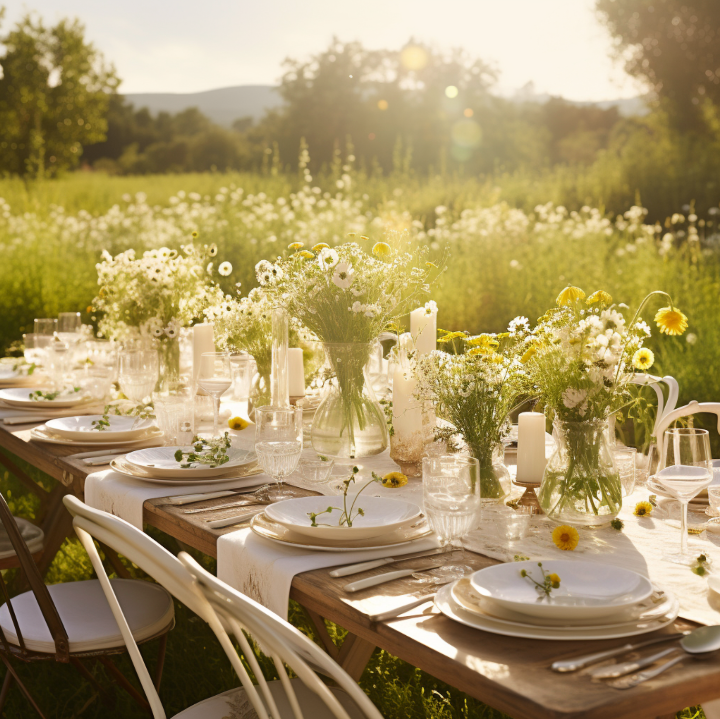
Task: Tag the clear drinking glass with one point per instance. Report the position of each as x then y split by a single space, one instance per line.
625 463
95 380
279 443
102 353
686 469
451 495
215 378
174 410
68 326
138 373
242 371
57 360
45 327
33 352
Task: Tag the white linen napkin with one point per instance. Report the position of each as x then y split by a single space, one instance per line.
124 496
264 570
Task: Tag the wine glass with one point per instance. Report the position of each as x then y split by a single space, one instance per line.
138 373
685 470
215 378
46 327
451 497
32 352
279 443
68 326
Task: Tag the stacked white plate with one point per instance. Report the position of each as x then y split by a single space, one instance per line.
594 601
384 522
122 431
10 377
20 397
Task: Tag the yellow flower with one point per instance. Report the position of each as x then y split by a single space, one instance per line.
320 246
554 580
529 354
296 245
362 237
599 296
643 359
351 234
450 336
485 343
238 423
381 249
194 234
565 537
642 509
431 265
307 255
569 295
671 321
394 480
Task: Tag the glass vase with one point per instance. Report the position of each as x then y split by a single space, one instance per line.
581 485
259 390
495 479
168 364
349 422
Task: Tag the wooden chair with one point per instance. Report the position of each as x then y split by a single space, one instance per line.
34 538
72 621
228 613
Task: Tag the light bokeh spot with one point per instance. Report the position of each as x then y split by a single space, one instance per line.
414 57
451 91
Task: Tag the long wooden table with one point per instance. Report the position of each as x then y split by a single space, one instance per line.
509 674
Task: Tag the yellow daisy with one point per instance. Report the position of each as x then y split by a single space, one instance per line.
484 343
320 246
565 537
307 255
554 580
599 296
296 245
381 249
643 359
671 321
569 295
393 480
450 336
642 509
238 423
529 354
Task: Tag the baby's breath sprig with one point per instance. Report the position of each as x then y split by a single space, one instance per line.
212 452
549 582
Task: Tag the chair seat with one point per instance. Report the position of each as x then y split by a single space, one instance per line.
86 615
32 535
234 704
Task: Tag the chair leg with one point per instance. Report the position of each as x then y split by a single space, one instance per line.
107 698
161 661
124 683
22 687
7 683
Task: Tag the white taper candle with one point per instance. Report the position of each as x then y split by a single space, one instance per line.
423 328
531 447
296 371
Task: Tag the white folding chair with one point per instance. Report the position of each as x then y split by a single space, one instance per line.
228 613
686 411
664 406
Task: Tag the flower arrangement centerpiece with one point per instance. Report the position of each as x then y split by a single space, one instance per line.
581 358
153 296
475 387
346 296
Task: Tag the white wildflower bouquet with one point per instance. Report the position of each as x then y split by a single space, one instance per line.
475 389
156 294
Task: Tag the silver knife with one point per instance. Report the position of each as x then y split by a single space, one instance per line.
387 577
181 499
229 521
393 613
227 505
373 564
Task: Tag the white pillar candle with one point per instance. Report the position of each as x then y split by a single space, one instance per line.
423 328
203 341
531 447
296 370
407 414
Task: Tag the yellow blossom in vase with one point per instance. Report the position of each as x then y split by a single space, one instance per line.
307 255
642 509
381 249
393 480
238 423
565 537
320 246
569 295
296 246
485 344
671 321
643 359
599 296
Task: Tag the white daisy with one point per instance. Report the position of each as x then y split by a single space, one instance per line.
343 275
328 258
225 269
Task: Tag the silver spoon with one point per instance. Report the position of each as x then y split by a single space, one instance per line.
700 641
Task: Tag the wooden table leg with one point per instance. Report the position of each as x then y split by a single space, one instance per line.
354 655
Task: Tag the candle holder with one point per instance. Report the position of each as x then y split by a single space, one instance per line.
529 497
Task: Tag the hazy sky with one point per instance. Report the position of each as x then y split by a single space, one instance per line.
184 46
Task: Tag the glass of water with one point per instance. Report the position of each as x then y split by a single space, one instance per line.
138 373
685 471
215 378
174 410
45 326
57 361
279 443
32 352
451 497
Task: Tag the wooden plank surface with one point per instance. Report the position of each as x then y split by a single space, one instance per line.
507 673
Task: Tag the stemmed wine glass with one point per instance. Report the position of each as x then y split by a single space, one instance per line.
451 497
215 378
279 443
68 326
686 469
138 373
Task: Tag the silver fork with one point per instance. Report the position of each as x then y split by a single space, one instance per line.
634 679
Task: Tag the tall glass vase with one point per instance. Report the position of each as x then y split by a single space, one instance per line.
581 485
349 422
168 364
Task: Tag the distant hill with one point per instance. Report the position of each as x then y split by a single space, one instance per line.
222 106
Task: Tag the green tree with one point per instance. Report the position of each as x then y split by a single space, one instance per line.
673 45
53 97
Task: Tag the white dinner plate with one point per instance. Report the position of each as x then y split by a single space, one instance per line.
450 608
82 429
160 462
653 608
381 516
243 479
587 589
149 439
20 397
265 527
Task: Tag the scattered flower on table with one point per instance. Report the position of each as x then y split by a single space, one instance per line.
701 566
238 423
642 509
565 537
393 480
617 524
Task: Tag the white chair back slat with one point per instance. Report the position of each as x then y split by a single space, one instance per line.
664 406
689 409
224 609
